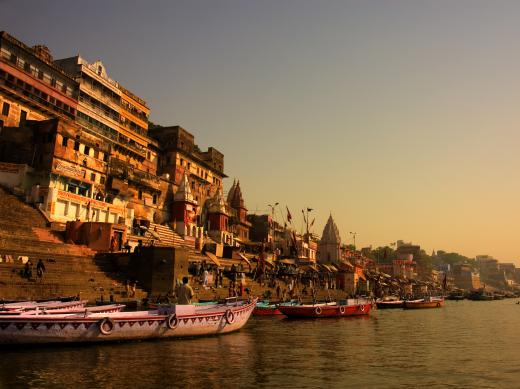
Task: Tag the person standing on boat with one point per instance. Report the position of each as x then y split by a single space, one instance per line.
185 292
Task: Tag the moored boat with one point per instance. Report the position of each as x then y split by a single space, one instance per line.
389 304
350 307
109 308
264 308
480 295
47 306
429 302
174 321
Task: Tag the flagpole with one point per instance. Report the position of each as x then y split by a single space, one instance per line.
272 223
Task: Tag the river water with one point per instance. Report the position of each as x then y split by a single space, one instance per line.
466 344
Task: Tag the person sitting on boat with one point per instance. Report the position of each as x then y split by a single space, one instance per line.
185 292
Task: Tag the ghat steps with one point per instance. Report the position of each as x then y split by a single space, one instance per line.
70 269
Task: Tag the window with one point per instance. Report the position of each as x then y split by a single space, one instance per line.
96 154
102 180
140 195
154 198
86 150
105 157
93 177
40 74
76 145
5 109
27 66
64 141
23 116
14 59
149 155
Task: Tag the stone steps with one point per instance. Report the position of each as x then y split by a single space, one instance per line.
14 210
70 269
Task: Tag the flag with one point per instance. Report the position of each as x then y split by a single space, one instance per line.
289 217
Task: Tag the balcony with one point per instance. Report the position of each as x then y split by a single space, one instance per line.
118 139
36 102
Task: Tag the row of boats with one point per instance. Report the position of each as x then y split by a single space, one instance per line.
72 321
350 307
294 309
424 303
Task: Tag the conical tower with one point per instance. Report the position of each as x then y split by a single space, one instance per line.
219 219
330 243
184 209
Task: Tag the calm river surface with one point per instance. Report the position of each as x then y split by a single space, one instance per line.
463 345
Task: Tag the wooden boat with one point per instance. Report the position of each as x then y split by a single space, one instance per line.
351 307
47 306
429 302
480 295
389 304
174 321
109 308
264 308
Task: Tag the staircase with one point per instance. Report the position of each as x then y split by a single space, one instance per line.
69 269
168 238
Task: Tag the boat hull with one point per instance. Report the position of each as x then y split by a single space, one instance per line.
123 326
324 310
423 304
390 304
267 311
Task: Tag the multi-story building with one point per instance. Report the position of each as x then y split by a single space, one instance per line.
84 149
465 277
180 154
120 118
32 87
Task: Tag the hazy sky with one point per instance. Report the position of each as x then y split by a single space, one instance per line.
401 118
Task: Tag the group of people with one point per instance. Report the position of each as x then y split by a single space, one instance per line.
28 269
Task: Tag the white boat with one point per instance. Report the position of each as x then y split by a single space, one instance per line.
171 322
109 308
47 305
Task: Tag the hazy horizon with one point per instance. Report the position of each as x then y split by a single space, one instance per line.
398 118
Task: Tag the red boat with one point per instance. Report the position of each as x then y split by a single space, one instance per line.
351 308
266 308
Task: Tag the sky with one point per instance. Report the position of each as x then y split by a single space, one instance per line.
398 118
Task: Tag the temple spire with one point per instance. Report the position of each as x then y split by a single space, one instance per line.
184 191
